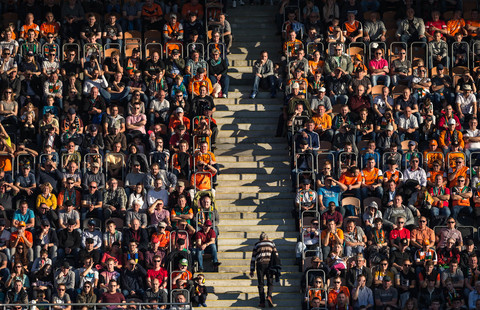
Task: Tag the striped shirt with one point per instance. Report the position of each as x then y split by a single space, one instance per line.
262 252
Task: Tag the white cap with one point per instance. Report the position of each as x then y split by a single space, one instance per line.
322 89
295 85
452 121
179 110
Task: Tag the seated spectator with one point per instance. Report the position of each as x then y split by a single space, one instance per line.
378 67
330 237
355 239
411 29
441 197
69 241
92 202
335 290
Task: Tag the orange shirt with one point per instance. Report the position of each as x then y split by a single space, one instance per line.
50 27
431 157
187 275
290 48
431 175
349 179
205 157
202 181
28 235
332 294
351 28
188 7
372 176
152 11
473 23
462 201
455 25
171 29
452 157
312 293
325 121
195 84
315 66
331 237
162 239
388 175
24 29
175 121
461 172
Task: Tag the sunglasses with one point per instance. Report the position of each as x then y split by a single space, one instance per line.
93 187
422 221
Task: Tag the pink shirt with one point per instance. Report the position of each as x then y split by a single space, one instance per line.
133 119
378 64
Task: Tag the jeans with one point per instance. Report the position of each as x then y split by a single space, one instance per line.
135 24
350 251
445 211
369 5
396 78
105 94
405 38
444 61
366 192
199 254
410 136
326 250
438 97
269 82
96 213
339 99
224 82
458 209
384 78
262 272
118 41
120 96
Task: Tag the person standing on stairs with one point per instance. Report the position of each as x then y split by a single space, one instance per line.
263 252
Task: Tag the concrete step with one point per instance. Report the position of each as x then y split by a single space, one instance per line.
255 215
233 284
258 151
264 195
257 26
235 296
285 301
250 177
224 159
264 37
251 242
265 228
244 76
252 11
270 128
242 274
249 105
255 235
256 146
236 268
244 69
278 202
286 207
242 117
266 184
249 140
265 170
256 164
291 286
239 247
227 188
255 221
222 255
233 101
243 133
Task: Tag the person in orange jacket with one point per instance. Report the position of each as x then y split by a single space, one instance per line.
198 80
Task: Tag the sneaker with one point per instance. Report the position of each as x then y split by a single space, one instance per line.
234 4
225 96
270 302
216 264
242 3
204 305
253 95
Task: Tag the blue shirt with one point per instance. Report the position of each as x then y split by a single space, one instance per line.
330 194
23 218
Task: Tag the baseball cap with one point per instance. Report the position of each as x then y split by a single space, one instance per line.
181 183
30 53
201 70
71 111
66 265
467 87
135 163
162 224
179 110
322 89
184 262
71 222
452 121
91 223
175 52
440 67
469 242
45 222
22 224
208 223
411 143
433 142
306 181
373 204
389 127
387 279
295 85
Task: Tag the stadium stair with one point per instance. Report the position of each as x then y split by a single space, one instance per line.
253 194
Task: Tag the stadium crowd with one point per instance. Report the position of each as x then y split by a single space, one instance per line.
107 171
381 117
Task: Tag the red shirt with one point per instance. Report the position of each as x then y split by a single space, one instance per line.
157 274
439 24
205 237
400 234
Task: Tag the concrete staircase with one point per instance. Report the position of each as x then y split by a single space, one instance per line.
254 187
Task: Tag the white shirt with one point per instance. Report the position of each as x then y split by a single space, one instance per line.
418 175
472 134
408 123
466 103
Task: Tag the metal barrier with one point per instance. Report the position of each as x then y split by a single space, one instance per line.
413 51
174 159
107 171
170 277
25 154
175 292
381 45
326 156
163 164
195 47
292 49
223 52
323 299
386 156
95 47
26 47
44 52
454 44
340 161
175 234
475 53
176 45
395 48
198 153
70 46
311 162
109 48
93 155
150 48
199 221
312 47
406 158
427 163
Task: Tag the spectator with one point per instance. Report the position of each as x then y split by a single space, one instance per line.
205 240
263 253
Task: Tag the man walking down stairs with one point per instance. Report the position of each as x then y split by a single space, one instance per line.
253 195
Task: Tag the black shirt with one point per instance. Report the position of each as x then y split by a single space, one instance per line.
87 29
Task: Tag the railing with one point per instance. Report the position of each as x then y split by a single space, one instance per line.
94 306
